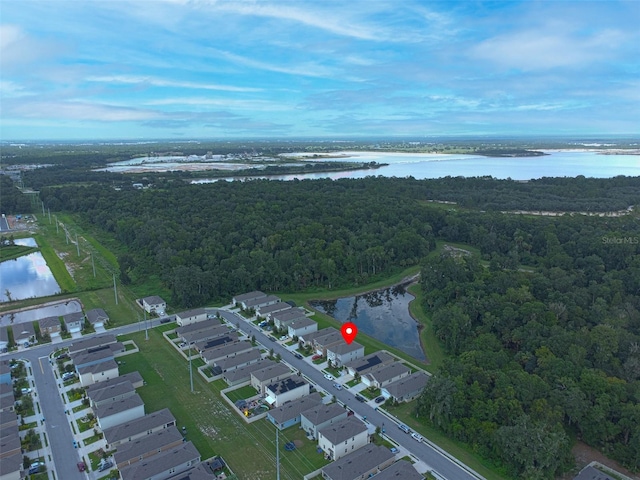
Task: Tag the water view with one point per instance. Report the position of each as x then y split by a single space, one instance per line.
27 276
33 314
383 315
424 166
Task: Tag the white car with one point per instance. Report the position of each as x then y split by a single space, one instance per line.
328 376
417 436
338 386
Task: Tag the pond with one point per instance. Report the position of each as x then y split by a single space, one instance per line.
27 276
32 314
383 315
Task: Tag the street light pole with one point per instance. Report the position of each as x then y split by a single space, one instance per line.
190 369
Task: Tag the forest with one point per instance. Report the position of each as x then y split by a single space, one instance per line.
542 327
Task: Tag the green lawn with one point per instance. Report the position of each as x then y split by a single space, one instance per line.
370 394
241 393
92 439
352 383
211 424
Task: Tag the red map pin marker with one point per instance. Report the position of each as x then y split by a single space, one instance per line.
349 332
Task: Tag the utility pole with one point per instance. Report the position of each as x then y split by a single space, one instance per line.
190 369
115 290
49 215
43 209
57 229
93 264
146 330
77 245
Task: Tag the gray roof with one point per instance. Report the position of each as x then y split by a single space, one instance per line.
161 462
256 302
119 406
357 463
10 464
323 413
401 470
247 296
247 370
370 362
196 327
6 390
48 322
91 342
111 391
301 322
389 371
98 367
22 331
139 425
290 314
591 473
192 313
248 356
208 332
343 430
308 337
199 472
286 384
291 410
8 417
153 300
408 385
224 350
147 444
7 401
96 354
97 315
276 307
10 442
329 337
217 342
73 317
4 334
341 347
133 378
271 371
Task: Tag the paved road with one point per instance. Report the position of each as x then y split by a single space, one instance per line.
432 457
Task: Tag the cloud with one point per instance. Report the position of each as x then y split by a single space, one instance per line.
78 110
544 49
19 49
159 82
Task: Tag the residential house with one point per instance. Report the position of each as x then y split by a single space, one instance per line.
238 299
401 470
112 393
191 316
11 467
209 333
591 473
24 334
300 326
341 352
121 411
212 355
98 372
140 427
4 339
229 337
134 378
343 437
321 343
289 414
267 310
307 339
360 464
50 326
74 322
388 374
5 372
286 390
10 444
91 356
8 421
232 363
406 388
259 302
283 319
154 304
163 465
260 379
98 318
196 327
7 399
367 364
92 342
243 374
145 447
202 471
322 416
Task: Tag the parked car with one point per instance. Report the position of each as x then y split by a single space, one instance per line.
417 436
68 376
298 356
380 399
338 386
393 450
105 466
404 428
328 376
360 398
81 467
316 357
62 356
24 391
283 338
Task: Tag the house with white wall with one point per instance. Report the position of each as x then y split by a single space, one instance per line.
343 437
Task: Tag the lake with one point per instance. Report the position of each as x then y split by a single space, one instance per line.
27 276
565 163
383 315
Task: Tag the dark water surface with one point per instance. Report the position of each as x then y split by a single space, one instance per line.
383 315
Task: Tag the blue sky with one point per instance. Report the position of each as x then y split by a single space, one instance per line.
151 69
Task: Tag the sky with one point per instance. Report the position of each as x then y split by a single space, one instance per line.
210 69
